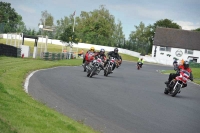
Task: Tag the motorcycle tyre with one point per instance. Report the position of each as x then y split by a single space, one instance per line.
92 72
178 87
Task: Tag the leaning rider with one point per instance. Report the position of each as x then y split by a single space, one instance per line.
184 66
113 54
89 57
140 60
91 50
101 55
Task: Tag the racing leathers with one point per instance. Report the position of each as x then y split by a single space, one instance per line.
114 55
174 75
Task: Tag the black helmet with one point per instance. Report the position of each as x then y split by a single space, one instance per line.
186 64
116 50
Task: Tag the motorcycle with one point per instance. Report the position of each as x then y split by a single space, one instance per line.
174 87
139 65
88 58
109 66
94 67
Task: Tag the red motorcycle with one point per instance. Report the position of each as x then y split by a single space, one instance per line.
139 65
176 84
89 57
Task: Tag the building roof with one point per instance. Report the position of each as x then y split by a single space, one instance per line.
168 37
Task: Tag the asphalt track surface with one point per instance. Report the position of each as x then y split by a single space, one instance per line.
127 101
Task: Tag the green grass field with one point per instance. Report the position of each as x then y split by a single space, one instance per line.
19 113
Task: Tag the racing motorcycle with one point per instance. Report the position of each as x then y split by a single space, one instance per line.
94 67
139 65
88 58
109 66
174 87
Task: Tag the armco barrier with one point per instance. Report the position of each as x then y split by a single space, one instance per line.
58 56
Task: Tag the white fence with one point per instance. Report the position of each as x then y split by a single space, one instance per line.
98 47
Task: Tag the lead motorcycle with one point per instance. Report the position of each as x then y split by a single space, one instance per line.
174 87
89 57
109 66
94 67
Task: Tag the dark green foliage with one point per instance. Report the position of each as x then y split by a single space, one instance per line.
198 29
10 18
68 36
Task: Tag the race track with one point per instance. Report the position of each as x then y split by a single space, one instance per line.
127 101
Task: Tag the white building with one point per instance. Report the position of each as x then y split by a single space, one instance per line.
170 44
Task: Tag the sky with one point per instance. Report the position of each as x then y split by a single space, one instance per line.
185 13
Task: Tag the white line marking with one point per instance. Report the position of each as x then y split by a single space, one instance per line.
29 76
27 81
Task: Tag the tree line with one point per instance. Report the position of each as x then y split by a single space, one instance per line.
95 27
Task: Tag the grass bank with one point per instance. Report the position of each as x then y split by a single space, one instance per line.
195 72
19 113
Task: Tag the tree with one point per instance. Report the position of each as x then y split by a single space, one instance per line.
166 23
68 36
62 24
10 18
47 22
198 29
96 27
139 39
46 19
118 35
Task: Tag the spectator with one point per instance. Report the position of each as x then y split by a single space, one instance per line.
81 53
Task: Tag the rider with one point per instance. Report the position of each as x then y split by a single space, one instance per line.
113 54
101 54
140 60
91 50
89 54
184 66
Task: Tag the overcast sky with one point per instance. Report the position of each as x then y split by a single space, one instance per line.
186 13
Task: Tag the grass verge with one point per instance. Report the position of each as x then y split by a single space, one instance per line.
19 113
195 72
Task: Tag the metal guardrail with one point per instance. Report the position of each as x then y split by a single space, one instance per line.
58 56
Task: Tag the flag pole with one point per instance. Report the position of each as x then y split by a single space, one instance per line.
73 30
74 19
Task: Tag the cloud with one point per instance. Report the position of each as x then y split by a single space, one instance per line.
186 25
26 9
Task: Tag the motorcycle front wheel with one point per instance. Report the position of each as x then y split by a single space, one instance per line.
93 72
177 89
166 91
106 71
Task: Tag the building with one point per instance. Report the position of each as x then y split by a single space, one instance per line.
170 44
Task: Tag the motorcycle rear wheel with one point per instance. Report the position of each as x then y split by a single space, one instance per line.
138 67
